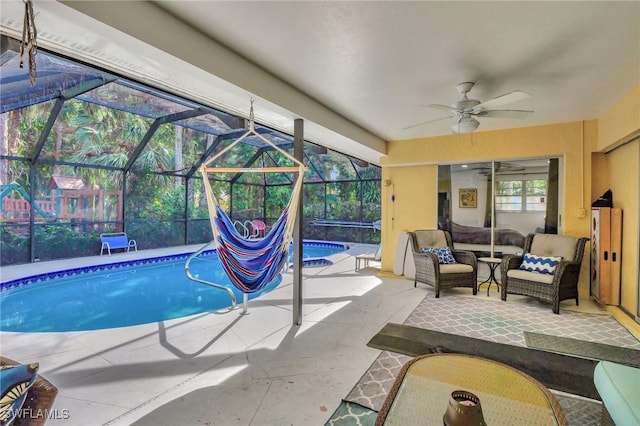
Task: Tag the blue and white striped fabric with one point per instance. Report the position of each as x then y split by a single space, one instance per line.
251 264
541 264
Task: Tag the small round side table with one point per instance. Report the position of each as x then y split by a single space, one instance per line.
493 263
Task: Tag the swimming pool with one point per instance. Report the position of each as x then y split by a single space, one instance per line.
125 293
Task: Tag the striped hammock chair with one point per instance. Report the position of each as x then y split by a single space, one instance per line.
251 264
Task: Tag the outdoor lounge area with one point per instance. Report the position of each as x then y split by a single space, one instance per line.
319 213
244 369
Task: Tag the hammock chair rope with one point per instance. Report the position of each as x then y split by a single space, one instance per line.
29 45
251 264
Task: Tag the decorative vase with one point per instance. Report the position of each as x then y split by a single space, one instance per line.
464 409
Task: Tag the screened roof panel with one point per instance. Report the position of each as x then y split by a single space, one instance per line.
91 134
311 175
333 166
254 178
171 149
217 123
125 98
33 119
55 77
105 118
275 137
238 156
366 170
276 159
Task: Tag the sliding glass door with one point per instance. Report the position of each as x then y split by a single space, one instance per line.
489 207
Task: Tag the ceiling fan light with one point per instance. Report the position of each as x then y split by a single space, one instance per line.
465 125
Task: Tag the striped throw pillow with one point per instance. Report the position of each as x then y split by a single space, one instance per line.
541 264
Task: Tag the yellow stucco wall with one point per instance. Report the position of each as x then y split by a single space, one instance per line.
407 204
620 122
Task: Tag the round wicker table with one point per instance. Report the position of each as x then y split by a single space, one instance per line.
420 394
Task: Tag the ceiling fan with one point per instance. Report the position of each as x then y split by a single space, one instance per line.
465 110
499 167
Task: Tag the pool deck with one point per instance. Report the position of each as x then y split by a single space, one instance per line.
221 369
225 369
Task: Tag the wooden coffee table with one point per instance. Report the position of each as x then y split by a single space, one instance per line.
420 394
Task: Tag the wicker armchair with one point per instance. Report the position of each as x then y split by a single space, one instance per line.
429 271
39 401
561 285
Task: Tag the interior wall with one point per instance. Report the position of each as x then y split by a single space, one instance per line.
410 160
600 175
621 122
409 202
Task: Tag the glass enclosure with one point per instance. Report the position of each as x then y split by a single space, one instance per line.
84 152
490 207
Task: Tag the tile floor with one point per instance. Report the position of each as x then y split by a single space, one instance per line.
231 369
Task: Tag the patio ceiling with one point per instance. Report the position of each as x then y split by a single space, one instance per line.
358 72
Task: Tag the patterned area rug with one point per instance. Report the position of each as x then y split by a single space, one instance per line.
494 321
569 374
349 414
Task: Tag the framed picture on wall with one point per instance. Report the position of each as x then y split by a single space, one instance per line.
468 198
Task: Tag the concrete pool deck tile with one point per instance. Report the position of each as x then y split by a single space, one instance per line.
33 344
204 401
306 358
305 393
261 321
134 384
267 392
227 389
80 410
72 367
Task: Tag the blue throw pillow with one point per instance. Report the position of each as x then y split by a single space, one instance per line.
444 254
541 264
15 381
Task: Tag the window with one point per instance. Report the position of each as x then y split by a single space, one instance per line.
521 195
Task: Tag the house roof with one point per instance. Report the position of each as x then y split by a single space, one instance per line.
65 182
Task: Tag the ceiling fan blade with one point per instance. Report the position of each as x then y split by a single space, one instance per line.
503 113
505 99
426 122
439 106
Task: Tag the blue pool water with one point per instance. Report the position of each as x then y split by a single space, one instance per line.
124 294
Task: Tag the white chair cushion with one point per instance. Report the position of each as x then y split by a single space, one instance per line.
455 268
530 276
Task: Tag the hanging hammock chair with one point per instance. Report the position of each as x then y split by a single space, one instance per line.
252 263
